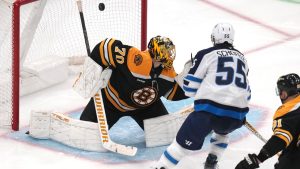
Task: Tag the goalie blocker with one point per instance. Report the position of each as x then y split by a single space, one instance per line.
91 79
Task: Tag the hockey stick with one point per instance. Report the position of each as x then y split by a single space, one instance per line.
87 45
254 131
99 106
103 128
247 125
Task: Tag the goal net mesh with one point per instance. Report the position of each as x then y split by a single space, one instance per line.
51 31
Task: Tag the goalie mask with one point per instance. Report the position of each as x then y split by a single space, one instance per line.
289 83
222 32
162 50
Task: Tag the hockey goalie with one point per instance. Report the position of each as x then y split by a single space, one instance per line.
121 81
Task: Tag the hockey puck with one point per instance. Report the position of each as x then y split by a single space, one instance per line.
101 6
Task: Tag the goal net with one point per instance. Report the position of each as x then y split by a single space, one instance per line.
39 39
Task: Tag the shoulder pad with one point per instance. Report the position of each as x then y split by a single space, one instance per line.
139 63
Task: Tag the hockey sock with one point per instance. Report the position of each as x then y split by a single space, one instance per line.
173 155
218 144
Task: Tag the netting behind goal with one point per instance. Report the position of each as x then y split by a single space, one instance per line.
40 38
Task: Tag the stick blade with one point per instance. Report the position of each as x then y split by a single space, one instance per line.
120 149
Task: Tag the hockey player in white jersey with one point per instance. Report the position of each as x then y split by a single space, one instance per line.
218 82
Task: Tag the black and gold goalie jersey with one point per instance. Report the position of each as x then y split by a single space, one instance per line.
134 82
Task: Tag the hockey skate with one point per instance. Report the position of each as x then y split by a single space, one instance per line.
211 162
158 165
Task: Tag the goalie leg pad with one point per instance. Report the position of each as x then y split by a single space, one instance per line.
162 130
75 133
39 126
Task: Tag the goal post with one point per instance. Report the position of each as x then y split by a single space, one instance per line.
39 39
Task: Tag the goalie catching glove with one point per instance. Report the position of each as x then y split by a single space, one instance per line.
91 79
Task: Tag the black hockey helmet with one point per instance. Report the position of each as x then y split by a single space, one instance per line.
289 83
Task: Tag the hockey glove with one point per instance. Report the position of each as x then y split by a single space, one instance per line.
250 162
179 78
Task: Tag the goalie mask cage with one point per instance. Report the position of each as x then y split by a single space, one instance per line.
32 32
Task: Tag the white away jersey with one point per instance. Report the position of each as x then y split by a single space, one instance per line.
218 82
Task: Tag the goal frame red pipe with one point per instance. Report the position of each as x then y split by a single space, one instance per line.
16 61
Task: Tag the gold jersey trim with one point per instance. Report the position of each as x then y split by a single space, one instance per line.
284 135
287 107
171 95
112 101
113 97
105 50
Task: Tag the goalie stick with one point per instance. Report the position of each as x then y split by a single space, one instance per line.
103 128
99 106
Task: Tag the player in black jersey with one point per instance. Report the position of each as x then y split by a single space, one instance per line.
138 80
286 127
